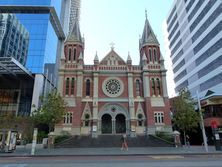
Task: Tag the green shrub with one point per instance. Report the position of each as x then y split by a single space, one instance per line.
59 139
164 135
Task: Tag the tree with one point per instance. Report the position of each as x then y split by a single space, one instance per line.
185 118
51 112
22 124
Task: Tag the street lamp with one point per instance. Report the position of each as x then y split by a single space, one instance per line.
202 124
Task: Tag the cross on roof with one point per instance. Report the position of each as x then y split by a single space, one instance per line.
112 45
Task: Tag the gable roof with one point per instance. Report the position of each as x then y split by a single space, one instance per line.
112 58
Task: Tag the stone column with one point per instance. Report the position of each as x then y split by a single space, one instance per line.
148 107
95 104
113 126
131 104
164 85
146 84
79 84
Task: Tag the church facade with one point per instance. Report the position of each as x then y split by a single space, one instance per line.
112 96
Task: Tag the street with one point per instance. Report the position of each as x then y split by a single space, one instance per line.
117 161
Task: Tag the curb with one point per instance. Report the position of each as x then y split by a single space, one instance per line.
105 155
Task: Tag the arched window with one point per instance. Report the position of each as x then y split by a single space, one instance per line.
153 86
87 87
67 86
69 56
150 54
158 86
67 118
74 54
137 87
140 119
155 55
72 86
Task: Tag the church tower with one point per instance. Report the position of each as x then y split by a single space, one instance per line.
154 79
71 78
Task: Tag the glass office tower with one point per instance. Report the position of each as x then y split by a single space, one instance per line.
43 40
14 38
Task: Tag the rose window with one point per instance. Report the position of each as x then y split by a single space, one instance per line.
112 87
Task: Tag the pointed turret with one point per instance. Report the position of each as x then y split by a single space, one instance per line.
96 59
75 35
148 37
129 60
149 45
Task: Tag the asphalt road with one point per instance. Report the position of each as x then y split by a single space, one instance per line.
114 161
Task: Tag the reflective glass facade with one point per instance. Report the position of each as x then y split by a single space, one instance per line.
195 36
43 40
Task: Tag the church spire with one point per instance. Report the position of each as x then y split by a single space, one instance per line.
148 37
75 35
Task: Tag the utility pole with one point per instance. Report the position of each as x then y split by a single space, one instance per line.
202 124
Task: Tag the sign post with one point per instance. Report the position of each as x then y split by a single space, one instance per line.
202 124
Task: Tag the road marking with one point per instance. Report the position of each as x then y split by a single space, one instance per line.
168 157
14 165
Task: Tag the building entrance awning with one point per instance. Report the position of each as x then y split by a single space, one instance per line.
8 65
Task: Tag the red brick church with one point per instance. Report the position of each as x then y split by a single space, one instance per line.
113 96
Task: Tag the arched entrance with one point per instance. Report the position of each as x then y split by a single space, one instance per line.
113 118
106 123
120 123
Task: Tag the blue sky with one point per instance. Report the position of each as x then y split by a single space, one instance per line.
121 22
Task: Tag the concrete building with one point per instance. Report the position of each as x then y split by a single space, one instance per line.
195 38
113 96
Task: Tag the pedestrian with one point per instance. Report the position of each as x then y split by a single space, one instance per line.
187 141
124 142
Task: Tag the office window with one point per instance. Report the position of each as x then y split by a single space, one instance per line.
158 116
210 52
189 5
216 30
202 14
207 23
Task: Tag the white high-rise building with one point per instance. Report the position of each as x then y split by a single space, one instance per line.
70 12
195 36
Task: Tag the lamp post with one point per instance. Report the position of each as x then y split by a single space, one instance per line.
202 124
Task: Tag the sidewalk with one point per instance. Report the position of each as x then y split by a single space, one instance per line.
114 151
